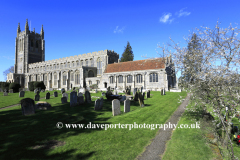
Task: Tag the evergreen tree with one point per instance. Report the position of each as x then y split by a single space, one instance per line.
193 59
127 54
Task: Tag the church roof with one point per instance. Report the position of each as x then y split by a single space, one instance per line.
135 65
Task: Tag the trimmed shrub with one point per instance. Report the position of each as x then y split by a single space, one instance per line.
5 85
39 84
30 86
15 87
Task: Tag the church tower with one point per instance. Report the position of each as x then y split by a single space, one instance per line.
29 48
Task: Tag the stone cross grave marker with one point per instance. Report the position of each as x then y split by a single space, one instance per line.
88 97
65 95
21 94
47 95
64 100
116 107
55 94
127 106
73 99
28 106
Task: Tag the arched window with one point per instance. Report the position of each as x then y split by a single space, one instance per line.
77 63
36 44
31 42
86 62
20 45
92 62
55 79
98 82
77 77
139 78
45 80
111 79
120 79
90 73
64 78
66 65
38 78
153 77
129 79
71 76
73 63
82 62
69 64
90 82
99 66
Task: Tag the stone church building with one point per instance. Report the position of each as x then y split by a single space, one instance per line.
102 68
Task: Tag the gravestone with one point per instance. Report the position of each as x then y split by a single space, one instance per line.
21 94
62 90
80 100
35 90
127 106
88 97
148 94
10 90
37 97
64 100
141 89
97 106
42 90
73 99
65 95
143 95
28 106
161 92
164 91
5 94
47 95
136 96
116 107
50 89
80 94
134 91
140 100
55 94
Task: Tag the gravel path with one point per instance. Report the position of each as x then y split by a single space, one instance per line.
156 149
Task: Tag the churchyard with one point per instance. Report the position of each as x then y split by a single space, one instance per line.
36 135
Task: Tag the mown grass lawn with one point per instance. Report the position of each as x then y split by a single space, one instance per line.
187 143
20 134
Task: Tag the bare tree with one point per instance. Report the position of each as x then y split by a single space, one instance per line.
9 70
216 84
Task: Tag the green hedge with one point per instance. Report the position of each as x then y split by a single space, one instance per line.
15 87
5 85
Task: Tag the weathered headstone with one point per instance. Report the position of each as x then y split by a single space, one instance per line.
37 97
35 90
141 89
64 100
65 95
148 94
88 97
62 90
10 90
5 94
21 94
127 106
80 100
73 99
80 94
28 106
55 94
136 96
140 100
97 106
47 95
116 107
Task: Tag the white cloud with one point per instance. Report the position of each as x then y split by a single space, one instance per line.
166 18
182 13
117 30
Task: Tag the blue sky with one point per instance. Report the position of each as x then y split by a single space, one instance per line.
78 27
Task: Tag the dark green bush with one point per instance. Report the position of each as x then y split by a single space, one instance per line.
15 87
40 84
5 85
31 86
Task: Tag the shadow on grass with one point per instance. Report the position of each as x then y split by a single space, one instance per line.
20 133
